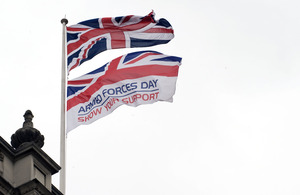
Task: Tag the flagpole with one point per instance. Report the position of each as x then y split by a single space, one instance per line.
64 22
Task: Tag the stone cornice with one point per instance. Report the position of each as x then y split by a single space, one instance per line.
29 149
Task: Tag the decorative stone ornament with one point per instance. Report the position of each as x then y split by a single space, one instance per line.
27 134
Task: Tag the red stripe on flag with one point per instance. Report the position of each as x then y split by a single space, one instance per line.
159 30
118 40
107 23
75 65
127 18
113 76
74 29
80 82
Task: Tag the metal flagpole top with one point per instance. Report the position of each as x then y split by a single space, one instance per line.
64 21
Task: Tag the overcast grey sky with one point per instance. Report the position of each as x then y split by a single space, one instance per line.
233 127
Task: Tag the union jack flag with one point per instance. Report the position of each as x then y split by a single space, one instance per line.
133 79
89 38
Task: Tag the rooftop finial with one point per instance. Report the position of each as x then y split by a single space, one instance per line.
27 134
28 119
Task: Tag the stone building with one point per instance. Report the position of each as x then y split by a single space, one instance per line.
25 169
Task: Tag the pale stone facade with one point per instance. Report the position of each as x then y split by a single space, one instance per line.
26 170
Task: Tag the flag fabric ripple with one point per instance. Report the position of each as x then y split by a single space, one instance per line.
137 78
89 38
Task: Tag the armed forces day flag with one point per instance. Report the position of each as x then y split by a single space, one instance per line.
136 78
89 38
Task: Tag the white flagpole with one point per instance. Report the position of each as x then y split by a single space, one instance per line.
64 22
